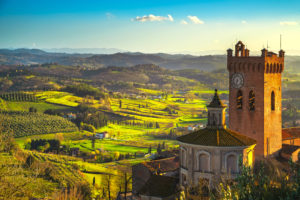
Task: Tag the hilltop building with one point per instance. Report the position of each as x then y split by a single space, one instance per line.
255 127
213 152
255 97
254 118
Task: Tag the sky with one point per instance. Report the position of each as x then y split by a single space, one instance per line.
168 26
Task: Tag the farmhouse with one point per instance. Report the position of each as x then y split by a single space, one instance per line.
102 135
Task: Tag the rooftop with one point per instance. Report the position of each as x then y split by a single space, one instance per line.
216 101
160 186
290 133
217 137
289 149
162 165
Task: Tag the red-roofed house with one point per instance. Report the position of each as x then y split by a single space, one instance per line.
291 136
142 172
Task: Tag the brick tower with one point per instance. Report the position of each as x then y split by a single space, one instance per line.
255 97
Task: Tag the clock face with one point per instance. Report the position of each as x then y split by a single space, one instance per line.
237 80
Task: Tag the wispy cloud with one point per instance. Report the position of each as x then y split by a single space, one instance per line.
109 15
152 18
244 22
195 19
183 22
288 23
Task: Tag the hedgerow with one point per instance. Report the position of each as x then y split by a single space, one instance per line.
18 96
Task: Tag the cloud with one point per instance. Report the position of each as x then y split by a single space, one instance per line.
183 22
288 23
244 22
109 15
195 19
152 18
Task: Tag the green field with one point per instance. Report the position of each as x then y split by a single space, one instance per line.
168 112
40 106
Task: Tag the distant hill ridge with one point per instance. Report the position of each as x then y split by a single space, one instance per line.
169 61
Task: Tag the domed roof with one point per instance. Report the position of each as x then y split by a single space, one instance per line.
217 137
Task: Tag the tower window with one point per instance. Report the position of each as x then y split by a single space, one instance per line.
251 100
272 100
239 100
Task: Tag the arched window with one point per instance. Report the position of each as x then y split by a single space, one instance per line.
231 164
271 68
272 100
249 67
239 100
251 100
203 162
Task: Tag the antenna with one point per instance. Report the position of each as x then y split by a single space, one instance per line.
267 45
280 41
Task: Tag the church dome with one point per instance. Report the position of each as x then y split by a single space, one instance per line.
217 137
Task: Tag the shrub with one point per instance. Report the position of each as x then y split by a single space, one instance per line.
83 90
87 127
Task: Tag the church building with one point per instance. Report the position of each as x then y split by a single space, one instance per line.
255 124
215 151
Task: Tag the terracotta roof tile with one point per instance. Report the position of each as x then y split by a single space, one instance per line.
289 133
163 165
216 137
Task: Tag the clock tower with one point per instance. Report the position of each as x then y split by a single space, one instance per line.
255 97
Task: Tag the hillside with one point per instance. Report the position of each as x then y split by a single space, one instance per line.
36 56
169 61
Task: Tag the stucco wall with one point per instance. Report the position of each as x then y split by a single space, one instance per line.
217 161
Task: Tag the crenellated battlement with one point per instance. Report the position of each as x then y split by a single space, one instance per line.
268 62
